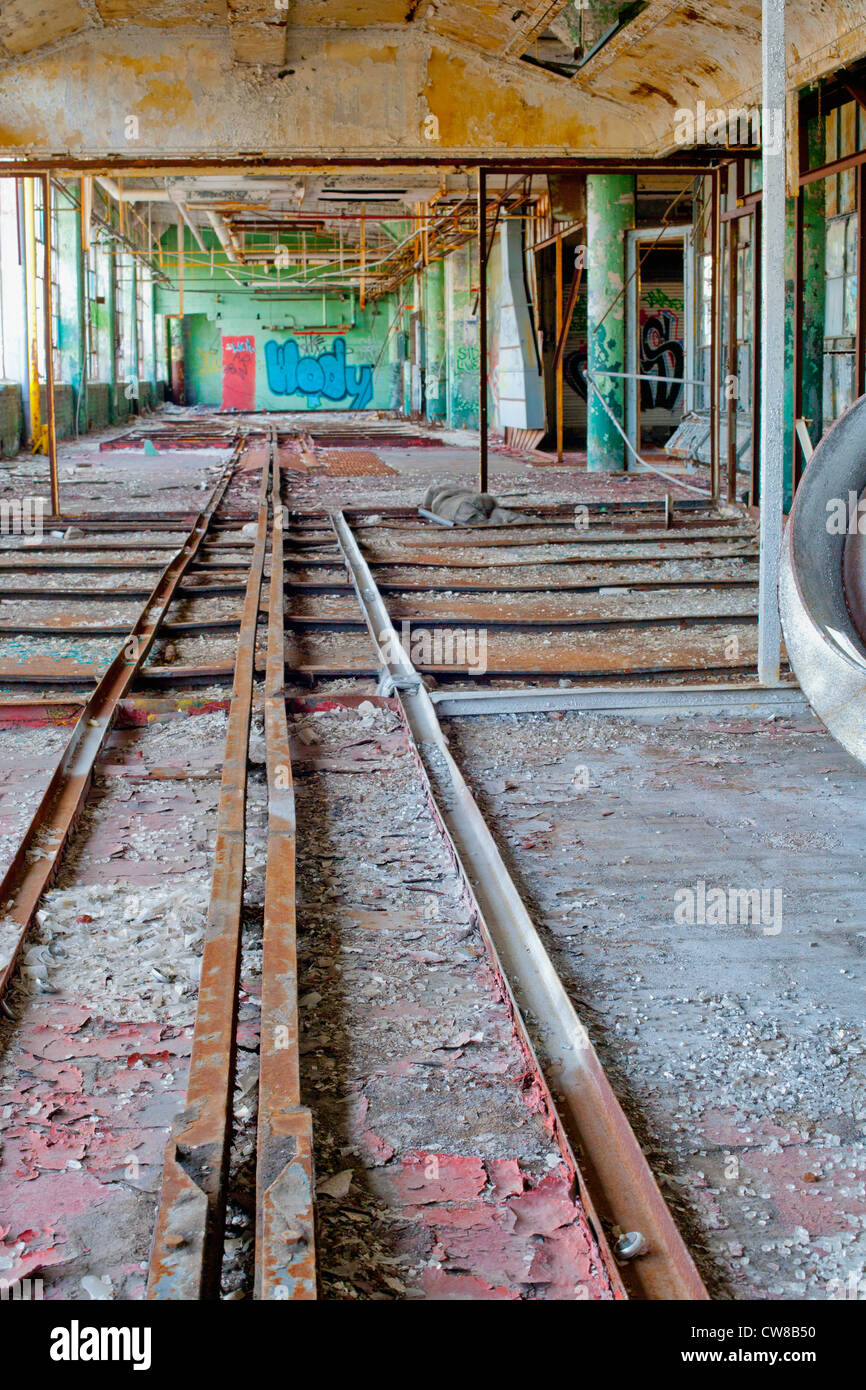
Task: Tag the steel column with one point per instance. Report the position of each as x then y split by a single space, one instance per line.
715 334
772 339
482 330
732 384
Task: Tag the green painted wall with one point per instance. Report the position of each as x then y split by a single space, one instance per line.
217 307
814 258
71 286
461 332
434 319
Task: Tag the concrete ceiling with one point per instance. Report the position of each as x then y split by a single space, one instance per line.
377 77
258 29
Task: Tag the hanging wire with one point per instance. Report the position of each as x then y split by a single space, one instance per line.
702 492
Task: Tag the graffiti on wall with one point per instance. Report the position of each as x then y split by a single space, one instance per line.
326 374
239 373
662 356
466 358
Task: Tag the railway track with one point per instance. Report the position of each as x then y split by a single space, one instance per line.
395 798
645 589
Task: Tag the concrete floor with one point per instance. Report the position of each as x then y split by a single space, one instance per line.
736 1048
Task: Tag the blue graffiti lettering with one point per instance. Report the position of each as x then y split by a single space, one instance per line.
327 375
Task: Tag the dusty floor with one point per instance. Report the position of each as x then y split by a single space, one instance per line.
737 1048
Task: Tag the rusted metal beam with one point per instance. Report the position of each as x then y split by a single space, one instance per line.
617 1188
66 627
30 873
187 1249
285 1253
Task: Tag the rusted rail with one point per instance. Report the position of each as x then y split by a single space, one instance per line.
285 1255
188 1240
39 852
617 1187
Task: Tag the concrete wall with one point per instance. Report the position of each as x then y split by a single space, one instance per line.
244 352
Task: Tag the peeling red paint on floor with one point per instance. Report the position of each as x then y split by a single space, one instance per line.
488 1232
82 1124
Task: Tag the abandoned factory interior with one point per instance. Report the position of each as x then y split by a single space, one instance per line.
432 659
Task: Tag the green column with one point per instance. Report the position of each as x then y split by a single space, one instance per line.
790 273
434 318
610 213
814 281
405 365
395 358
461 330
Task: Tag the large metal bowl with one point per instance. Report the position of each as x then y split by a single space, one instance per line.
822 584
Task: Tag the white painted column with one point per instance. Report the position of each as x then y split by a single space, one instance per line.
772 337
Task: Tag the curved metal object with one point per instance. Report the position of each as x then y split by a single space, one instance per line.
822 584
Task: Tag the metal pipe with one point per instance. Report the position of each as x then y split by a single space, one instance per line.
772 340
223 233
188 220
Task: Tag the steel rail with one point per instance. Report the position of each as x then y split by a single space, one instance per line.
394 587
434 560
758 701
189 590
188 1240
588 586
615 1180
590 536
337 622
285 1249
37 857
